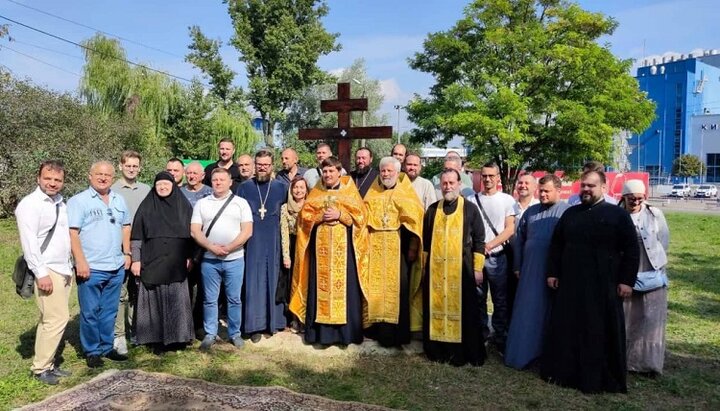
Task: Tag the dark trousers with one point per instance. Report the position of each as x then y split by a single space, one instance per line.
495 278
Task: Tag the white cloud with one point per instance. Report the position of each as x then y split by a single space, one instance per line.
390 89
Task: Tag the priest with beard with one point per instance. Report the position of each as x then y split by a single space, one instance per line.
454 254
364 175
263 253
331 258
394 229
592 266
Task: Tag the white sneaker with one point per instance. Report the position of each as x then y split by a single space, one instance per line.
120 345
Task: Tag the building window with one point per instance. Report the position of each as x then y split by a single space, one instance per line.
713 168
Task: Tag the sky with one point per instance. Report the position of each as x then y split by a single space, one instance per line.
384 33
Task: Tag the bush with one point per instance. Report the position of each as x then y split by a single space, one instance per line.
38 124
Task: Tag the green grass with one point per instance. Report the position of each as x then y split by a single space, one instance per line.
691 380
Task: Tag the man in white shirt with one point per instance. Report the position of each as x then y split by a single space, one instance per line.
36 214
525 187
423 187
223 261
498 213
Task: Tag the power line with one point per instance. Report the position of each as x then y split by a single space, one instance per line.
41 61
95 29
95 51
14 40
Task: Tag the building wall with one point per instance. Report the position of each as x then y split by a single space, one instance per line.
680 89
705 143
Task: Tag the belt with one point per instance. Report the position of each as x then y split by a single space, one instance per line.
497 254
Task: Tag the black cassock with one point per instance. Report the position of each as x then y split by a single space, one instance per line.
594 248
472 348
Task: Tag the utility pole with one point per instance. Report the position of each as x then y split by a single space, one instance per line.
397 107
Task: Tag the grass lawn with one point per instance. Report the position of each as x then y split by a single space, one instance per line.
691 380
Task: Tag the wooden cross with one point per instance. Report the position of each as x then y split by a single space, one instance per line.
344 133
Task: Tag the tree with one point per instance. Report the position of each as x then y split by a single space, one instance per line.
115 89
526 84
279 42
688 165
37 124
304 112
176 120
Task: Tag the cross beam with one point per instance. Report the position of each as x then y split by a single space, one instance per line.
344 133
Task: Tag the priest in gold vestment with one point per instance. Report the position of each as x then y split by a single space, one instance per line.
331 260
453 250
394 270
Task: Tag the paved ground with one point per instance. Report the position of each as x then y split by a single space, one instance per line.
695 205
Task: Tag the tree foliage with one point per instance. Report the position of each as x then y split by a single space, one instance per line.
527 85
176 120
688 165
305 112
37 124
280 42
205 55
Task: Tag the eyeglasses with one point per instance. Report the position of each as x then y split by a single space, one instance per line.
260 165
112 217
634 199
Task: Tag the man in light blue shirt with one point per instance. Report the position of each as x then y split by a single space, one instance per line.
99 222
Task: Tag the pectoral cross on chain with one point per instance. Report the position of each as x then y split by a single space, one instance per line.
262 210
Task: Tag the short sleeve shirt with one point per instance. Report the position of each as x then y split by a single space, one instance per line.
227 227
100 226
497 206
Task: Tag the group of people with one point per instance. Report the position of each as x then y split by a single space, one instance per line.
379 253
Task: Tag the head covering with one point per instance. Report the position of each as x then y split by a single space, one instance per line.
633 187
167 217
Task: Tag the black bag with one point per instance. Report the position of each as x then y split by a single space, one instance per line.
200 251
22 276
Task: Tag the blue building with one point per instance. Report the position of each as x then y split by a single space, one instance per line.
681 87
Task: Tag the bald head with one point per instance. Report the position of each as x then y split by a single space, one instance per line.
194 174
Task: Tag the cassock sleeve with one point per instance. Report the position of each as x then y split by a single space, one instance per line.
629 249
556 247
519 243
477 232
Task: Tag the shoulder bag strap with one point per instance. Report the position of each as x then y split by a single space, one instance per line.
214 220
482 210
45 243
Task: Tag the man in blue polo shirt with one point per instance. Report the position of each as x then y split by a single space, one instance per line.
99 223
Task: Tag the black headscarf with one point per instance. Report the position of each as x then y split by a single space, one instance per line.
167 217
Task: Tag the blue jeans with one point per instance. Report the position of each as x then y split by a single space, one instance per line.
495 274
231 274
99 297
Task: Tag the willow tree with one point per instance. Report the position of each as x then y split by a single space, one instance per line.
113 87
177 120
527 85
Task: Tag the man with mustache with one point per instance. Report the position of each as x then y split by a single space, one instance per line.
592 267
394 231
261 312
454 254
364 174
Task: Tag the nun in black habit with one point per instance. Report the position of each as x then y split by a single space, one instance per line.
161 249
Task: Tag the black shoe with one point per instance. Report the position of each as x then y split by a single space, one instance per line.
59 372
94 361
255 338
115 356
47 377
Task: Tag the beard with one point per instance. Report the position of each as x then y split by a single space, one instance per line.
388 182
361 171
588 199
450 196
263 178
